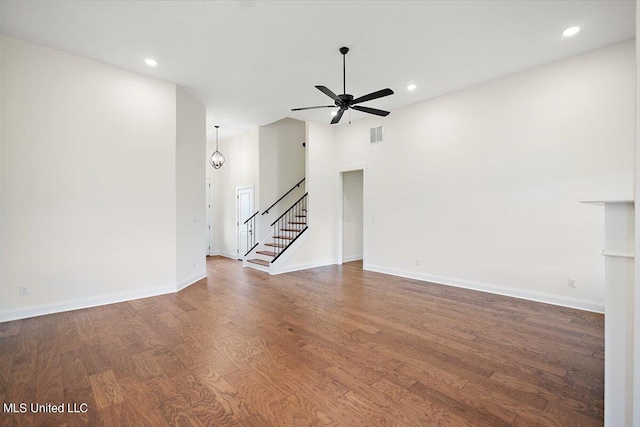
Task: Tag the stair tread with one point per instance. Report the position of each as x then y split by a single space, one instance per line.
291 229
267 253
283 237
297 222
301 216
260 262
275 245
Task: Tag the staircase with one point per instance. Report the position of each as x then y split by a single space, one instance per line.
285 230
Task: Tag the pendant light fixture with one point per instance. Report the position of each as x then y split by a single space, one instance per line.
216 159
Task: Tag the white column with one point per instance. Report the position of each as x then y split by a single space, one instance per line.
619 312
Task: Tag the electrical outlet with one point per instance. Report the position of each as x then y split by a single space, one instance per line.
572 282
23 290
417 262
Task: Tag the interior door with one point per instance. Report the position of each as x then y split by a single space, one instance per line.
245 210
209 231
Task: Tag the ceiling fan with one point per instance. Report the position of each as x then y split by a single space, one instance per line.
346 101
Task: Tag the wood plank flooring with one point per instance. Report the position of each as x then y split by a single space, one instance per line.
328 346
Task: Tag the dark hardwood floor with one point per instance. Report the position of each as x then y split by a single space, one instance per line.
327 346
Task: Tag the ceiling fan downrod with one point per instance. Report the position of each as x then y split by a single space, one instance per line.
344 51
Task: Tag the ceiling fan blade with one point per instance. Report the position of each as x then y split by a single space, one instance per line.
312 108
338 116
373 95
371 110
328 92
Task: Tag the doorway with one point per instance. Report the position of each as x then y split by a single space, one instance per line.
209 231
352 215
244 209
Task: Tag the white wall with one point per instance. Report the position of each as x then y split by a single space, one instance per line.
636 310
282 165
324 193
486 181
87 182
352 219
214 210
239 170
2 220
190 189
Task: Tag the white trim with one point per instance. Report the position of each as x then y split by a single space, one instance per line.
352 258
190 280
305 266
79 303
238 219
209 217
352 167
228 255
340 211
214 253
617 254
580 304
603 202
255 266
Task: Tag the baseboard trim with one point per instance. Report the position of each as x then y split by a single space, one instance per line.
247 264
190 280
352 258
563 301
304 266
80 303
228 255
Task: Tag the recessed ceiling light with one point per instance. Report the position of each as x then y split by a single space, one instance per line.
151 62
571 31
411 87
333 113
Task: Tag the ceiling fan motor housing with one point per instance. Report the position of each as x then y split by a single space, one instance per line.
345 100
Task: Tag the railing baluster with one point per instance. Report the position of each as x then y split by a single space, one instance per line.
250 224
288 232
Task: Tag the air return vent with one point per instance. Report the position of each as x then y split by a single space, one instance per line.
376 134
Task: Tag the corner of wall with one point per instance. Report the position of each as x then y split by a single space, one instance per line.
190 205
135 206
636 309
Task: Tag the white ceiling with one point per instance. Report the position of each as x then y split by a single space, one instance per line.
250 62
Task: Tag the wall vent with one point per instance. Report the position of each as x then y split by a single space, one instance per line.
376 134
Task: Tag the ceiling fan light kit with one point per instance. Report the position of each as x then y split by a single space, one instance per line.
347 101
216 159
